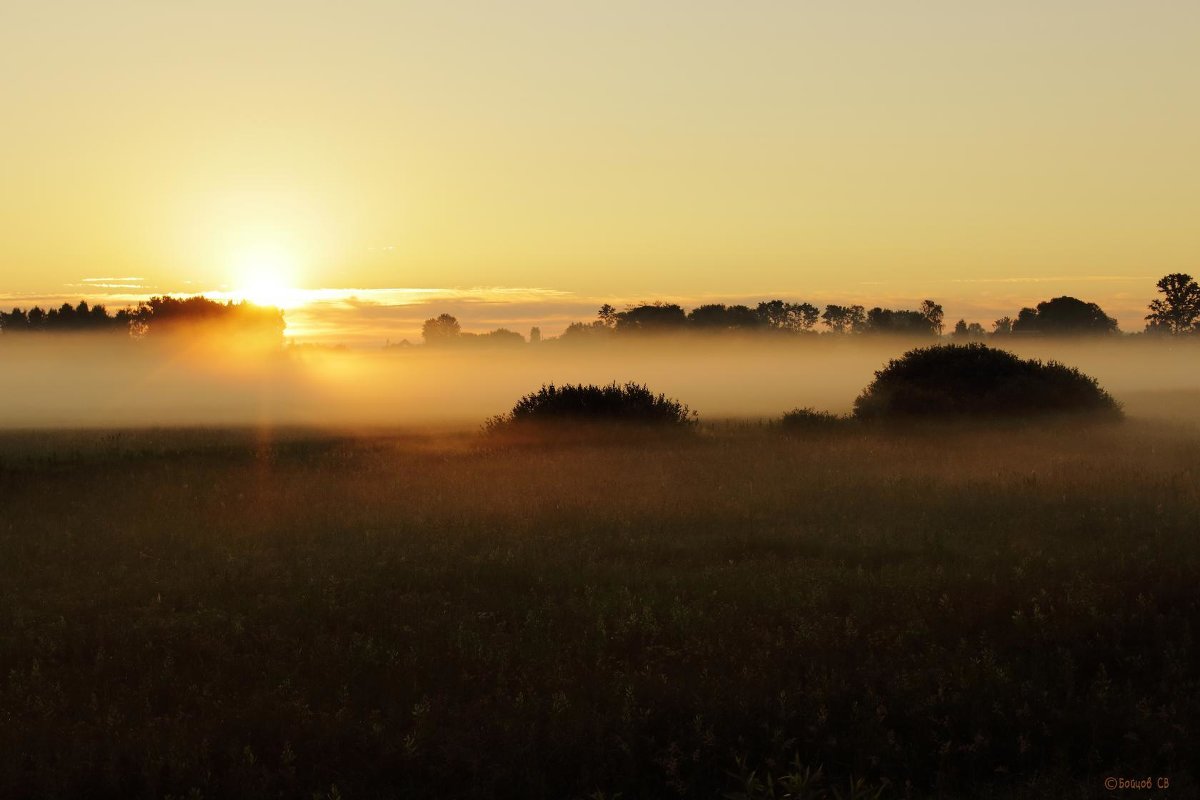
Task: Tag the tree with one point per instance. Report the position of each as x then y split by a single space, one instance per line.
933 312
792 317
1002 326
173 316
657 317
1064 316
1178 310
803 316
844 319
441 329
971 332
503 337
712 316
607 316
17 321
719 317
579 331
81 318
885 320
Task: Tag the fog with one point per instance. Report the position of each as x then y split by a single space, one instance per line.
103 382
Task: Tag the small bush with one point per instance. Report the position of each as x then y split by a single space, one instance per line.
976 381
809 420
582 405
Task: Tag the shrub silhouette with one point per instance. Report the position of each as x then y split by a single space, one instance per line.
809 420
976 381
579 405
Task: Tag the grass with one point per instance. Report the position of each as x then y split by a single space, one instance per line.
1006 613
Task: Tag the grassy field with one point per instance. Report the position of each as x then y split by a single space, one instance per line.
995 613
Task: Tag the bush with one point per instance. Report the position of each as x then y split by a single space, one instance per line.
976 381
576 405
809 420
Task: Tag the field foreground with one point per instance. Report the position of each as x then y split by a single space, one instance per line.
1007 613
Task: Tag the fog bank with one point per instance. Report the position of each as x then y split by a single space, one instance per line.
79 382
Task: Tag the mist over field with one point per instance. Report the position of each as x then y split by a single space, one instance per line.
95 382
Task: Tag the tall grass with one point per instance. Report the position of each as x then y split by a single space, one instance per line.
1006 613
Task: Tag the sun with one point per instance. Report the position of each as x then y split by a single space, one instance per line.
266 277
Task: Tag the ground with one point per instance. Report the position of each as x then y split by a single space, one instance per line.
956 612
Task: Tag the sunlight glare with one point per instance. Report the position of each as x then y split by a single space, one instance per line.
266 276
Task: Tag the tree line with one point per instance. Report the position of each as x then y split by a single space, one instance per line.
156 316
1175 313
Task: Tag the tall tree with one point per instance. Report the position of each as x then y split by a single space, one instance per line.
607 316
886 320
1178 310
441 329
778 315
656 317
844 319
933 312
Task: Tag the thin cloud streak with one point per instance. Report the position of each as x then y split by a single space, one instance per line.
1060 279
110 285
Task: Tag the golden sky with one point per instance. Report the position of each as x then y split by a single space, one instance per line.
976 152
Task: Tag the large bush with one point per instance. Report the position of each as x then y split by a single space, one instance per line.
579 405
974 380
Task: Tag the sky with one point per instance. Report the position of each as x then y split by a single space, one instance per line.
521 160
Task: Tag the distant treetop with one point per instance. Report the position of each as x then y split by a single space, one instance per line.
1177 312
1064 316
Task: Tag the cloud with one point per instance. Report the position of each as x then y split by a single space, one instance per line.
1060 279
95 285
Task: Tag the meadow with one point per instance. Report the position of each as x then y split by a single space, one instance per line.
946 612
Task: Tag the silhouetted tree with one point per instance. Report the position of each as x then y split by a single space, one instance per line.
1178 310
934 314
16 321
80 318
579 331
964 332
1002 326
792 317
1064 316
887 321
710 316
503 337
441 329
654 317
607 316
535 335
719 317
844 319
1026 321
181 316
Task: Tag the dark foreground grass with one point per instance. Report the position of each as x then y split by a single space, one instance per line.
1008 614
